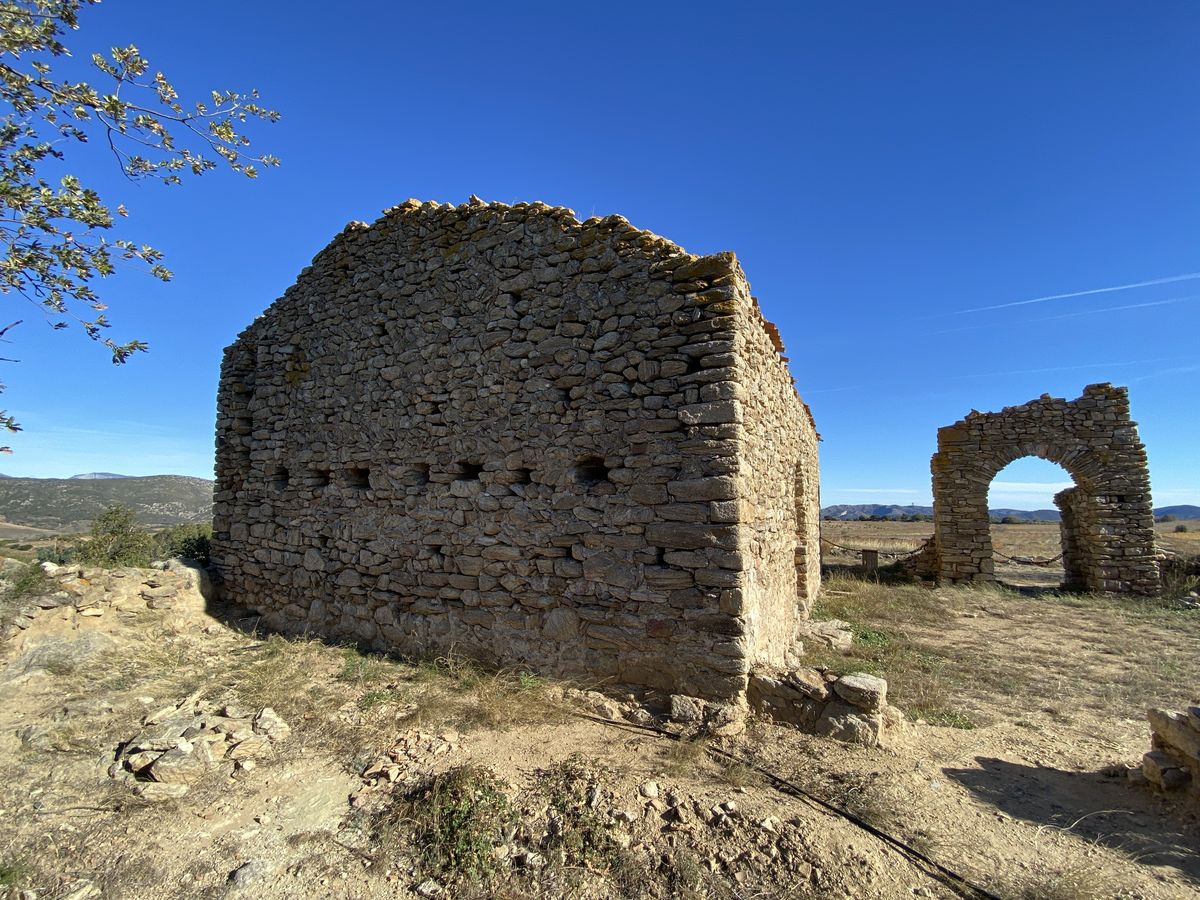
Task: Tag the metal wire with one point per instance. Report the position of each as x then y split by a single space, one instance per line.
891 553
1029 560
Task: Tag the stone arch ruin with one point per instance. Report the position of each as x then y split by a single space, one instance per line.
1107 517
498 431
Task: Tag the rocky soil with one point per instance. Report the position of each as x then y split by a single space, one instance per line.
155 744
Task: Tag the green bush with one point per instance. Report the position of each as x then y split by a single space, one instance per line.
60 556
116 540
186 541
27 581
1181 529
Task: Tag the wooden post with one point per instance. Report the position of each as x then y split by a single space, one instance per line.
870 561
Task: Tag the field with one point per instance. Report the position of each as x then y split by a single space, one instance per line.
1037 540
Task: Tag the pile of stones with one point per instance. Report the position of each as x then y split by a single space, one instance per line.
1173 762
183 743
92 592
404 765
851 708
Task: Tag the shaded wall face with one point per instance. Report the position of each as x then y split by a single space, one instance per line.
1077 521
1110 533
501 433
778 497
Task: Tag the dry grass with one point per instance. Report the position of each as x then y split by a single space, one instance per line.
1075 882
922 676
937 647
1035 540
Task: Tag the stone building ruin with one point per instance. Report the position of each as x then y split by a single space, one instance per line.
1107 517
497 431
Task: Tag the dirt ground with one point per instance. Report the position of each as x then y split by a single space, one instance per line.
1023 710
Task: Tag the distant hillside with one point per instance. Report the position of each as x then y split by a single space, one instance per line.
866 510
1026 515
70 504
853 512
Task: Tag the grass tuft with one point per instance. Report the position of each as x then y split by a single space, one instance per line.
12 873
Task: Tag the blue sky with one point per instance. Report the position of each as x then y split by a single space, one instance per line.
886 172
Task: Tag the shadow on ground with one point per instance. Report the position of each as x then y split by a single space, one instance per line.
1093 805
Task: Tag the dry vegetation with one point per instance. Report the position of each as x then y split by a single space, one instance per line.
1025 703
1034 540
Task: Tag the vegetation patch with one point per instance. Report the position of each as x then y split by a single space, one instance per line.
11 873
23 583
456 821
578 832
117 540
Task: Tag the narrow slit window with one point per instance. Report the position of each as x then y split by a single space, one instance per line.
358 478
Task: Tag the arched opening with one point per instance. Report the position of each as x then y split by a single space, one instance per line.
1024 521
1107 529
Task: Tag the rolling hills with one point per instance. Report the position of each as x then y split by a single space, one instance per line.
70 504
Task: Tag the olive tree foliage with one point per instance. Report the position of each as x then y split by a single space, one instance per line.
57 233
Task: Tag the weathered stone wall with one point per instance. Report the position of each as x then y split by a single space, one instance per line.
1108 522
1174 758
779 499
1077 521
497 431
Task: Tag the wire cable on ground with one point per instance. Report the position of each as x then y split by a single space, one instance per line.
895 554
1025 560
935 870
1029 560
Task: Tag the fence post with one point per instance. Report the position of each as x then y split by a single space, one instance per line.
870 561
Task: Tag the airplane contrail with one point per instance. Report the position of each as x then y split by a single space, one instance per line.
1075 315
1093 312
1104 290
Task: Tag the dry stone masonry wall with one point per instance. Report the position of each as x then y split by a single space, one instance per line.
1174 758
497 431
1107 518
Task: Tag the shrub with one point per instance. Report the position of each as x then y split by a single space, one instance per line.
27 581
60 556
1181 529
116 540
186 541
457 819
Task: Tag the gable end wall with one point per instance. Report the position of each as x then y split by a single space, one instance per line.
500 432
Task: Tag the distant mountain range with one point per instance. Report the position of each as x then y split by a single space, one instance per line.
70 504
853 512
86 476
